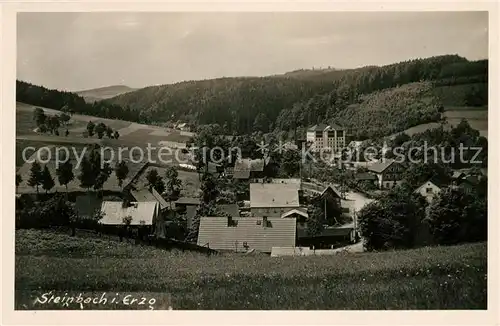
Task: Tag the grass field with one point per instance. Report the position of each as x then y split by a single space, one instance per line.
477 117
427 278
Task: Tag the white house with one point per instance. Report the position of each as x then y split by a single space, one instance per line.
429 189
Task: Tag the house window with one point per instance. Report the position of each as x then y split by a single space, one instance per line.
428 190
264 221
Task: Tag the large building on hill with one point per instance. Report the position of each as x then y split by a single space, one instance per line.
328 138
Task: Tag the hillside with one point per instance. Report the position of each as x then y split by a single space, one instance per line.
283 102
428 278
97 94
251 104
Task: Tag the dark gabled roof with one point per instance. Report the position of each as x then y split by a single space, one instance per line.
381 166
365 176
215 233
187 201
333 189
319 127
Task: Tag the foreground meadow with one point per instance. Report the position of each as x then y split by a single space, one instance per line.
427 278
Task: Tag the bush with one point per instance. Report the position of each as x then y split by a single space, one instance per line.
457 216
394 221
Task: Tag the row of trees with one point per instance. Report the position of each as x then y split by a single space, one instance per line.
92 175
100 129
50 123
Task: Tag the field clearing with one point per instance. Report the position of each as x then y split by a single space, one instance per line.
476 117
25 124
427 278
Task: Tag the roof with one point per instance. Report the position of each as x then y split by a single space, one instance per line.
336 127
319 127
433 181
365 176
246 164
302 211
296 181
215 233
457 175
231 209
327 232
274 195
332 188
187 201
141 212
381 166
144 195
322 127
241 174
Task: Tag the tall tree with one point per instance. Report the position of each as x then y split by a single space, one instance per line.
39 116
393 221
90 128
102 177
100 129
47 180
109 132
173 184
457 216
65 174
87 176
121 171
35 178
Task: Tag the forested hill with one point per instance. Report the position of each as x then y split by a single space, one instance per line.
300 98
293 100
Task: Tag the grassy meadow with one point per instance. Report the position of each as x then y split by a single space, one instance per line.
427 278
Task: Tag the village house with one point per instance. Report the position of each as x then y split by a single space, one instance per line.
183 202
141 213
329 237
366 178
142 218
430 189
246 233
389 173
273 199
246 168
146 195
328 138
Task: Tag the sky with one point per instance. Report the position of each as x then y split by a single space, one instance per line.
78 51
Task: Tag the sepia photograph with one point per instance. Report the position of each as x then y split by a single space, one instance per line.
251 160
